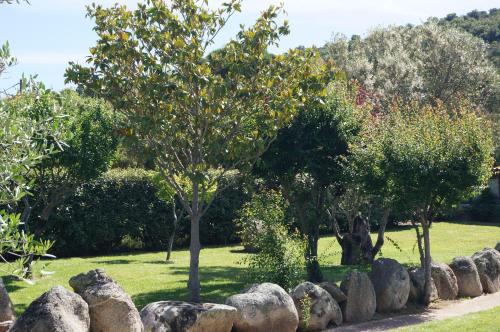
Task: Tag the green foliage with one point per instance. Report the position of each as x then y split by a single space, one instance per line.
25 142
6 60
482 24
485 207
424 62
124 210
280 255
264 210
435 158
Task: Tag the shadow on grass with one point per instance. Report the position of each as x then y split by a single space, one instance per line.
115 261
217 283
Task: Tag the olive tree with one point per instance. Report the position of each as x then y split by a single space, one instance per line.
202 116
434 158
85 126
428 62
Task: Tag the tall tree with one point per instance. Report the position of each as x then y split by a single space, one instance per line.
199 120
434 158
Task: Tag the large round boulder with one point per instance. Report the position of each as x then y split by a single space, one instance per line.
7 313
417 284
469 284
263 308
57 310
319 305
488 266
391 283
334 290
361 300
111 309
187 317
445 280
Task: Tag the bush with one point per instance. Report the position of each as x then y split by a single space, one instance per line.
485 207
121 211
280 255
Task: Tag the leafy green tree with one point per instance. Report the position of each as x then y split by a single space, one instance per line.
434 159
307 158
428 62
199 121
86 127
24 143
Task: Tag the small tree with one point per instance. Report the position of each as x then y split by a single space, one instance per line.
201 116
434 158
309 155
86 127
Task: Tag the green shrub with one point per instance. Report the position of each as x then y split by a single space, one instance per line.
121 211
485 208
280 255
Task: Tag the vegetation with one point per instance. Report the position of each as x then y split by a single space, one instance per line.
185 106
147 278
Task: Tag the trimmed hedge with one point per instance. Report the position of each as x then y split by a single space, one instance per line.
120 212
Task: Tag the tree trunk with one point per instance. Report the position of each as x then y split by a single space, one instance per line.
357 247
172 236
427 263
195 247
381 233
313 269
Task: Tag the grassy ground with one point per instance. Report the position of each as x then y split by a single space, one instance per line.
485 321
147 278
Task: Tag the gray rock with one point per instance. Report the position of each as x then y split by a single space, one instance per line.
263 308
111 309
497 247
334 290
417 283
391 283
361 301
322 309
469 284
57 310
488 266
7 313
187 317
445 280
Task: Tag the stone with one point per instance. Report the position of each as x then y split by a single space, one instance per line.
391 283
322 309
57 310
469 284
417 283
263 308
187 317
334 290
361 301
497 247
111 309
7 313
488 266
445 281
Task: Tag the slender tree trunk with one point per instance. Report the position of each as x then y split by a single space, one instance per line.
313 269
427 262
172 236
419 243
381 233
195 247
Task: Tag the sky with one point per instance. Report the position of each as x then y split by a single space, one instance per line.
47 34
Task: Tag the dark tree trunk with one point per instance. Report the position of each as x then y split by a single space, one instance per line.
313 269
357 247
427 263
172 236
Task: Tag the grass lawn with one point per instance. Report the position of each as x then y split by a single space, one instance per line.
147 278
484 321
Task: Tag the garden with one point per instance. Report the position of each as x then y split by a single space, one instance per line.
181 187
